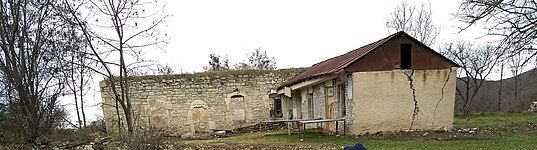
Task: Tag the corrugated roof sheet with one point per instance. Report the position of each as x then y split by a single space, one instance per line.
335 64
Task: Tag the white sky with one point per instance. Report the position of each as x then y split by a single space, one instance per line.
297 33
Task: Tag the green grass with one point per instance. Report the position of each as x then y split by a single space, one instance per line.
508 141
508 131
495 120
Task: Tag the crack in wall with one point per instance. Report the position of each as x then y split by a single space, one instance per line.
416 108
442 92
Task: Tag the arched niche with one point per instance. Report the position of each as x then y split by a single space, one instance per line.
199 115
158 111
238 108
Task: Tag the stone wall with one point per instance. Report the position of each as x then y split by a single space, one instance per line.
200 102
401 100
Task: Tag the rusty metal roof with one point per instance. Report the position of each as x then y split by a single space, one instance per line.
335 64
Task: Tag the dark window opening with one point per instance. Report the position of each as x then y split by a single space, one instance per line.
342 99
310 105
406 56
278 107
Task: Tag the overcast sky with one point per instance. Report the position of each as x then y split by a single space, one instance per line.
298 33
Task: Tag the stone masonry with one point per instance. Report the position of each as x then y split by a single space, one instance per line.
188 103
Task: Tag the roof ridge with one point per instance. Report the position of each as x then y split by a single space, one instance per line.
390 36
327 67
384 40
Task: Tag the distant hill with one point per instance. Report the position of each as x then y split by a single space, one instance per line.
488 96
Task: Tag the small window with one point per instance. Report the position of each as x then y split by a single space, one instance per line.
278 107
310 105
406 56
342 99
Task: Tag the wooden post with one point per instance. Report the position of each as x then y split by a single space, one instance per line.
304 128
299 130
288 129
344 127
336 125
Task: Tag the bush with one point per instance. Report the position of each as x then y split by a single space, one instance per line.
146 139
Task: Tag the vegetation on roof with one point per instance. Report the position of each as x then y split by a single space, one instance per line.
212 74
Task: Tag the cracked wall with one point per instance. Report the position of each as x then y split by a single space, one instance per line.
398 100
416 109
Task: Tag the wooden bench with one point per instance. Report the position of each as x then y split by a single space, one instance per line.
337 120
288 121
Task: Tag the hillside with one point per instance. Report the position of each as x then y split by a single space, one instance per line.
488 96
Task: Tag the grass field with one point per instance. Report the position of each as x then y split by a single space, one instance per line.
506 131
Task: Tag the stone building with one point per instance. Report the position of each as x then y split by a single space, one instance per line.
200 102
394 84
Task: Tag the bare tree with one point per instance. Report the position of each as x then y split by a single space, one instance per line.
258 59
416 21
477 63
78 78
513 21
217 63
500 88
117 31
33 42
71 76
516 64
164 69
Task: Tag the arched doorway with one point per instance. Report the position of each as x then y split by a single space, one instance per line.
239 111
237 105
199 116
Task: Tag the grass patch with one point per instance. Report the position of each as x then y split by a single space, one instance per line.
496 131
510 141
311 137
496 121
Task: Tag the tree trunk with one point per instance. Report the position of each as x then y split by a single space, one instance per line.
515 92
82 92
125 93
500 90
118 115
466 109
79 122
77 111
